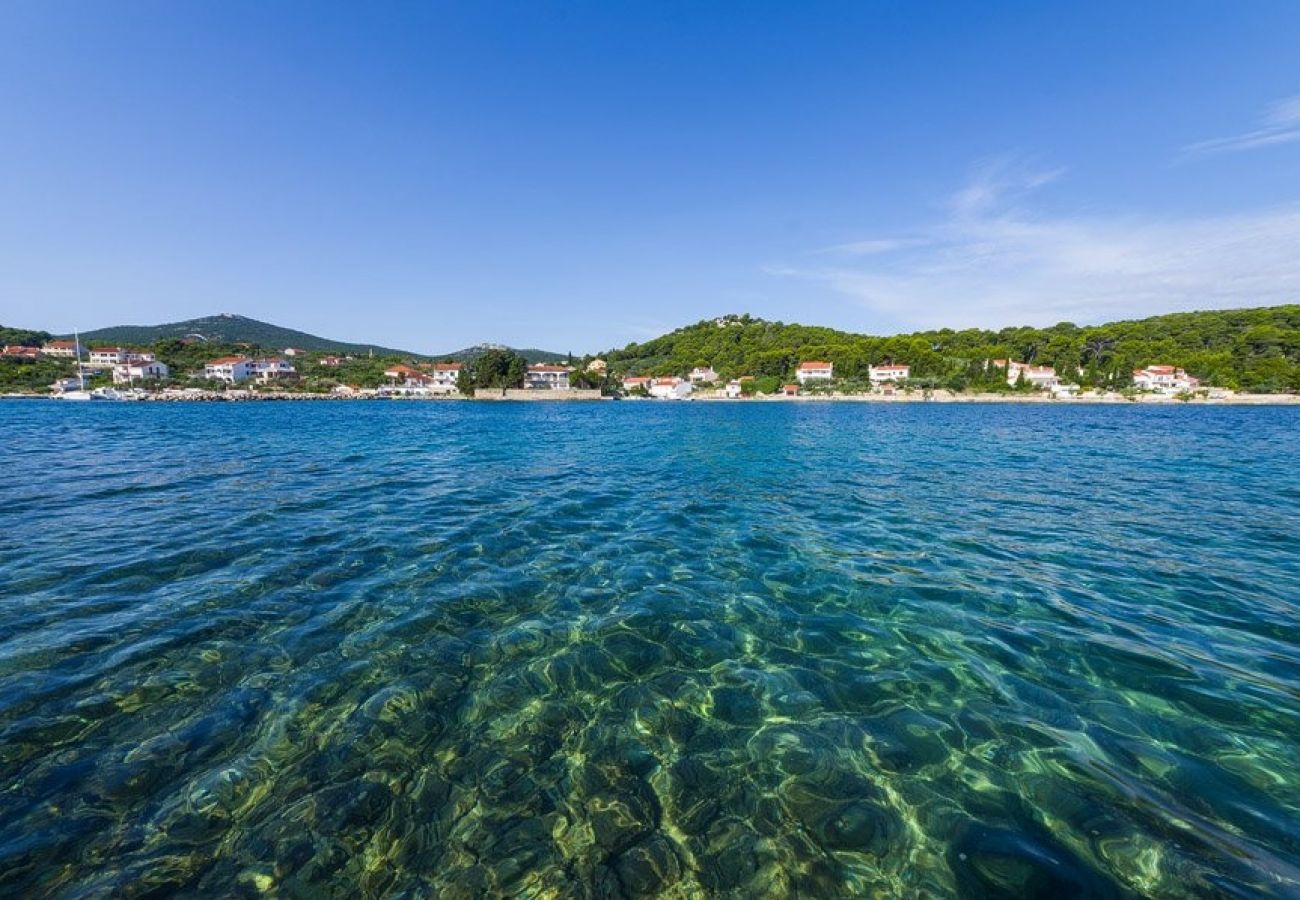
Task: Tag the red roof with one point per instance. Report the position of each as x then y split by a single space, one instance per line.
891 368
107 349
448 367
814 364
61 345
547 368
229 361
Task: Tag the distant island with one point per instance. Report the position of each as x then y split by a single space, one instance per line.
1188 355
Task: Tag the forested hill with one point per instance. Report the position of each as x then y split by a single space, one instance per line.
1248 349
230 329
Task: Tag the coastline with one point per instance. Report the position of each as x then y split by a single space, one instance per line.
942 397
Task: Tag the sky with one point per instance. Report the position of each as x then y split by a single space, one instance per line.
576 176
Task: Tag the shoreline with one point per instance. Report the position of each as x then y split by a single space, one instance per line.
940 397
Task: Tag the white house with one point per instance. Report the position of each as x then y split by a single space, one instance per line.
632 382
1164 380
273 369
62 349
544 377
128 373
1038 376
703 373
446 376
733 389
814 370
331 362
107 356
882 374
671 388
230 369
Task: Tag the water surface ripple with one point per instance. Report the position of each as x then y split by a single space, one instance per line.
617 650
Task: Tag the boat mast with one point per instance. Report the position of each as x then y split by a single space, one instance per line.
76 348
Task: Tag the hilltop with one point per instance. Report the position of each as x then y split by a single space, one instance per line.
227 328
1250 349
533 355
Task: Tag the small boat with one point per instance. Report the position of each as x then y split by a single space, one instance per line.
81 393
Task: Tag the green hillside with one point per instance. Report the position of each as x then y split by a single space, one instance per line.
231 329
1246 349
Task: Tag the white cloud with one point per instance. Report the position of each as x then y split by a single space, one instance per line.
1280 125
989 264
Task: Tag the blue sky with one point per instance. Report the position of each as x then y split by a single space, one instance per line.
576 176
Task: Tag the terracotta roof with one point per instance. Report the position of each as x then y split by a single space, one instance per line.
448 367
891 368
547 368
228 361
815 364
61 345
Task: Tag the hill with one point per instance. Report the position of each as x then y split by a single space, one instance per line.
533 355
231 329
1249 349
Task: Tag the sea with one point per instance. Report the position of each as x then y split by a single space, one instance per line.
629 649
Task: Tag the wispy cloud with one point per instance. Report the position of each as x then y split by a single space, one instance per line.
993 261
1279 125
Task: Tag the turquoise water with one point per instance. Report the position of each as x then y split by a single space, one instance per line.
457 650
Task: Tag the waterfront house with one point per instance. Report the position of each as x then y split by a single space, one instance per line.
545 377
1038 376
273 369
144 370
790 390
230 369
671 388
446 377
18 351
107 356
61 349
1168 380
703 373
733 389
814 370
632 382
890 373
404 374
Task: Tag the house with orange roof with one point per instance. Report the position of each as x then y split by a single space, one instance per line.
546 377
230 369
1165 380
888 373
814 370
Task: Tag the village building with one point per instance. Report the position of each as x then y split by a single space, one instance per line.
814 370
633 382
890 373
703 373
545 377
273 369
230 369
331 362
670 388
790 390
107 356
599 366
1165 380
128 373
733 389
1038 376
294 351
446 377
1043 377
404 374
18 351
61 349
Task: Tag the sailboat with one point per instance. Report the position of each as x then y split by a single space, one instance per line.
81 393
